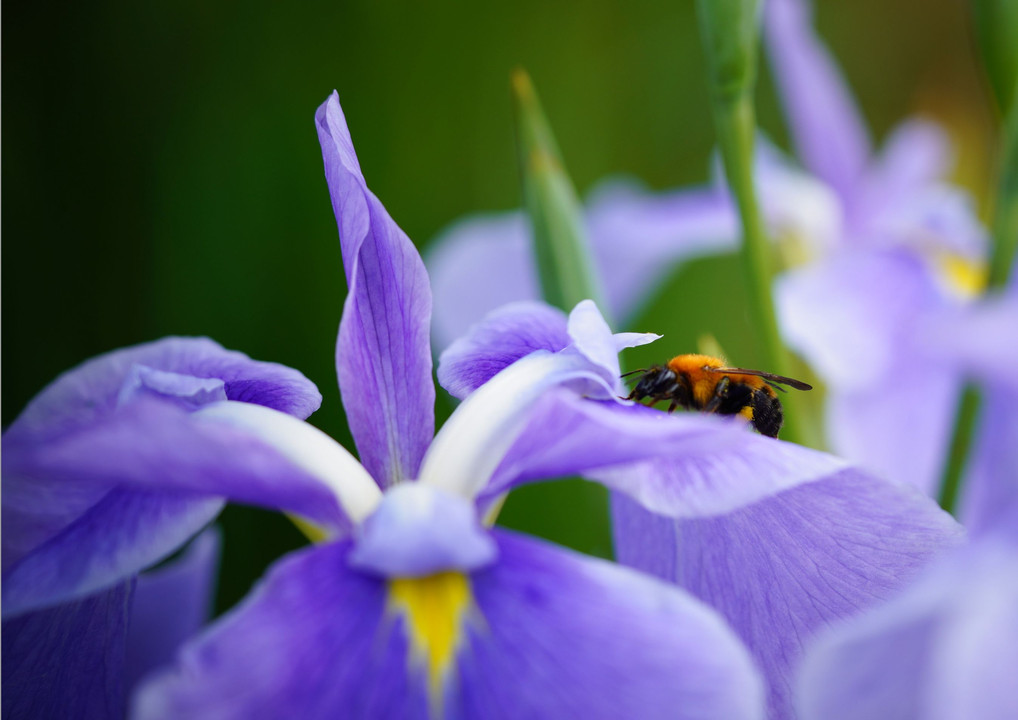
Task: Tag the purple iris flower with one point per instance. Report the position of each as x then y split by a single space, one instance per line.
415 609
106 472
781 539
901 252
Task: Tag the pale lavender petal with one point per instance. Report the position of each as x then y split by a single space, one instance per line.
853 316
685 465
639 238
419 530
979 339
479 264
829 133
989 495
185 391
504 336
917 154
171 604
90 391
549 635
119 536
944 650
383 356
782 569
899 429
593 339
68 661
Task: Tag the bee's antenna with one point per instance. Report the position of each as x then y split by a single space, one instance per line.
633 372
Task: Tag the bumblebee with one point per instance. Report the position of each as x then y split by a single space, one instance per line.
705 383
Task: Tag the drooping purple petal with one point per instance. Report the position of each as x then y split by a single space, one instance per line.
686 464
419 530
829 134
782 569
548 634
312 640
171 604
119 536
383 355
153 447
945 649
67 661
181 373
504 336
92 390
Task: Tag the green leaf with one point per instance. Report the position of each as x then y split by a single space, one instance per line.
564 262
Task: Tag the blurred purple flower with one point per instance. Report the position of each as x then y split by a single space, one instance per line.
782 540
637 238
422 611
106 472
947 648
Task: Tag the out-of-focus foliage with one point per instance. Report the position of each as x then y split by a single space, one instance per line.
162 176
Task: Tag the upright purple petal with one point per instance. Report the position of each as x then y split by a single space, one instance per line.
68 661
383 356
830 135
546 634
171 604
783 569
683 465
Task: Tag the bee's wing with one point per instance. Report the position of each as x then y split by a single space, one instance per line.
797 384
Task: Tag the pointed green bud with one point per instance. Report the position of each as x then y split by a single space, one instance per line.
564 261
996 24
730 30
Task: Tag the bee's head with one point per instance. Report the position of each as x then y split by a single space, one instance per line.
656 382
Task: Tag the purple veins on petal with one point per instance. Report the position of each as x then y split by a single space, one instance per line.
782 569
541 633
383 354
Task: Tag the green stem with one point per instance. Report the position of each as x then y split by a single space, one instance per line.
964 427
736 128
1002 259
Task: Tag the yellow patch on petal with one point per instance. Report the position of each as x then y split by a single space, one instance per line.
435 609
964 277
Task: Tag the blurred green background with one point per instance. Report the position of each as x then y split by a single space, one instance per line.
161 171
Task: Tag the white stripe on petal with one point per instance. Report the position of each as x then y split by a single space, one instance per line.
307 447
472 443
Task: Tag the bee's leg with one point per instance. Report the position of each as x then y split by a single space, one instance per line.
673 406
720 393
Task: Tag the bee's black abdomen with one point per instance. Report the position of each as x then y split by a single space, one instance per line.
767 413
